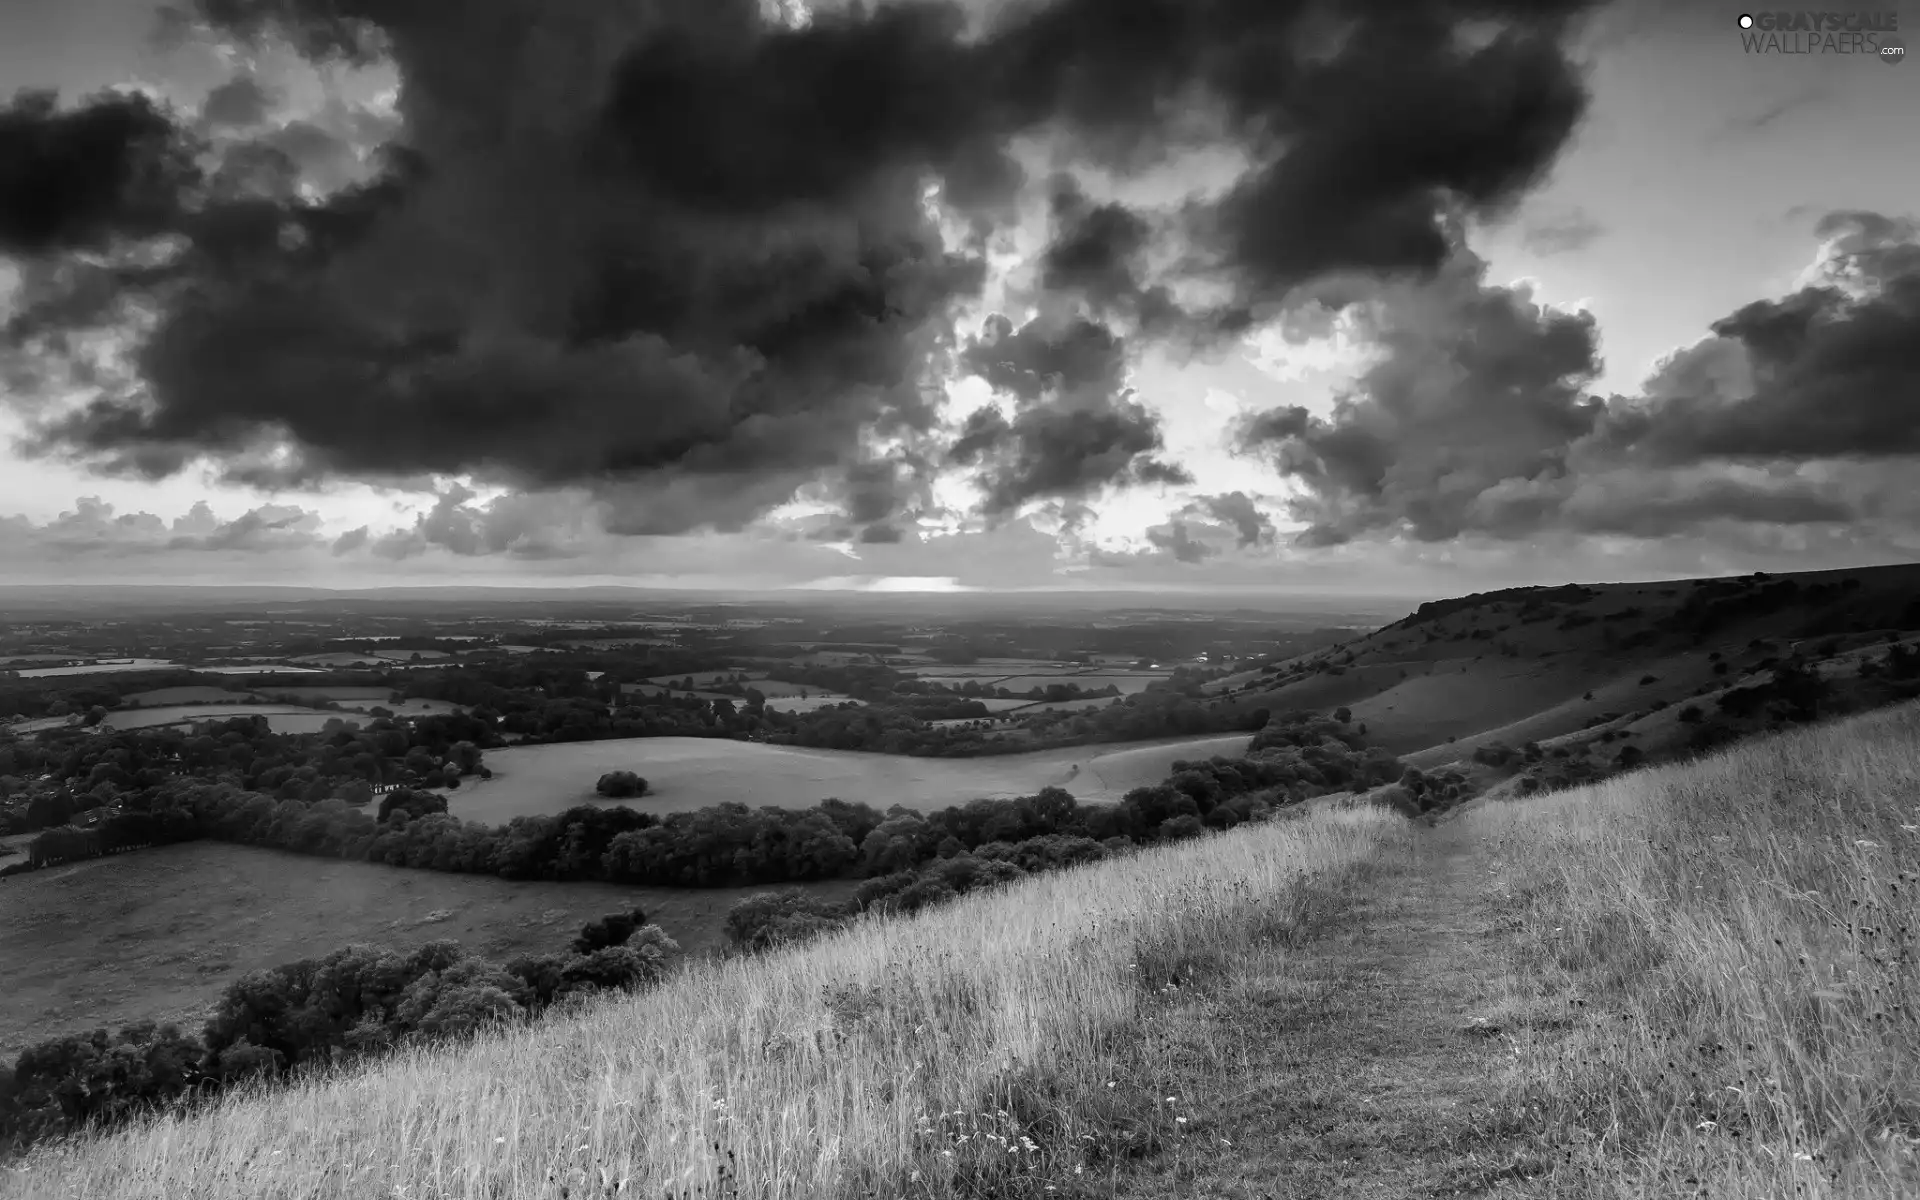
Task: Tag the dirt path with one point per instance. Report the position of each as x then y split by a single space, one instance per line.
1361 1071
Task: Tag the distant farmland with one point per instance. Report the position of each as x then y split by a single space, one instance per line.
690 773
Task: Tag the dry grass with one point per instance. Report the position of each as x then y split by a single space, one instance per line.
1720 994
967 1051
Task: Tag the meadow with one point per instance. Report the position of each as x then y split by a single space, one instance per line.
894 1055
157 933
1722 957
111 667
281 718
690 773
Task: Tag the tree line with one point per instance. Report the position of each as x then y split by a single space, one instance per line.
357 1003
731 844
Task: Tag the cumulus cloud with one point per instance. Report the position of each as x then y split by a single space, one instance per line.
1478 384
1825 372
1224 531
1476 417
1237 509
95 530
1181 544
680 254
1076 427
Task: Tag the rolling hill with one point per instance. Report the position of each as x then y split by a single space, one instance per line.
1578 668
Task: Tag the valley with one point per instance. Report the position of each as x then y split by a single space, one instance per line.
168 832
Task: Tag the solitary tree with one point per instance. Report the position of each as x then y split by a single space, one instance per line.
621 785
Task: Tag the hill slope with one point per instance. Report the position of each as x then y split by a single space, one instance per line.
1644 1002
1564 666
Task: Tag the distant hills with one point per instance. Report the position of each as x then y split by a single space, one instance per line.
1591 673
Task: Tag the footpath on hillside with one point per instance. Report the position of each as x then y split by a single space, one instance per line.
1366 1066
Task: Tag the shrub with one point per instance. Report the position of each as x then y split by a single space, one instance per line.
770 919
621 785
611 930
414 803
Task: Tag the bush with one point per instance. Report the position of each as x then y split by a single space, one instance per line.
770 919
621 785
611 930
414 803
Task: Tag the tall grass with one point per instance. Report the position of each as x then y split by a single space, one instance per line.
1735 945
924 1056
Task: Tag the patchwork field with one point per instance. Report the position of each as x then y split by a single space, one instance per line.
158 933
281 718
772 689
103 668
788 699
1022 675
994 705
690 773
1066 705
193 694
657 689
339 695
812 702
266 668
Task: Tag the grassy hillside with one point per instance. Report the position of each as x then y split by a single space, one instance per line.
1722 961
936 1053
1540 664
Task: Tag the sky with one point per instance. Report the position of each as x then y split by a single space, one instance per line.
1288 297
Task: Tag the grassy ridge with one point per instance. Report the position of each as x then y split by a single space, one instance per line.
971 1044
1721 993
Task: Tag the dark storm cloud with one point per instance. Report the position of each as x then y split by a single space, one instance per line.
78 179
1049 452
1076 428
1479 384
657 249
1096 252
1035 359
1477 419
876 491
